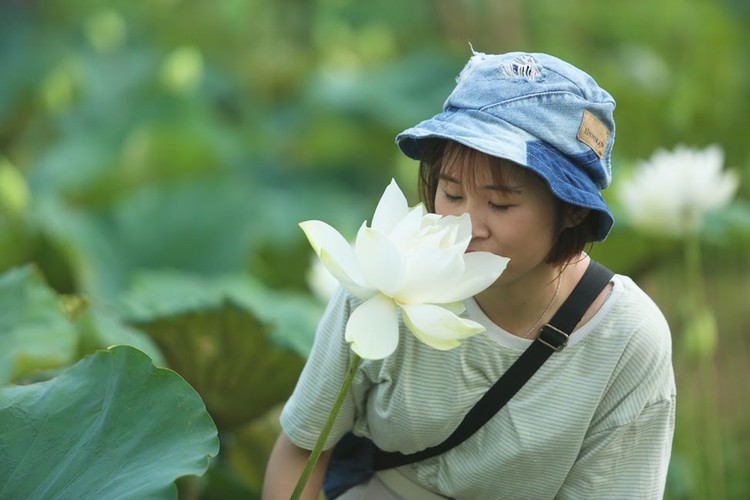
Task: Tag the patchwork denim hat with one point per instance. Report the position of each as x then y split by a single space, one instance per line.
537 111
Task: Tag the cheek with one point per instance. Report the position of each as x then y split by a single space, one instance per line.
529 232
444 208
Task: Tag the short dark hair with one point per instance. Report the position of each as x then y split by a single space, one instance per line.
437 153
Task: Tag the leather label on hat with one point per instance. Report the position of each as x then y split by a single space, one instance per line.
593 133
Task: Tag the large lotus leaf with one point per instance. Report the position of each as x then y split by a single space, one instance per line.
194 226
100 329
92 259
249 451
240 344
408 90
34 331
200 226
87 149
111 426
15 244
290 318
225 354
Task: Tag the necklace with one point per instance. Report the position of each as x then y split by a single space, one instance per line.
554 296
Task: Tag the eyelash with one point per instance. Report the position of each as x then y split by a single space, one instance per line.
455 199
499 208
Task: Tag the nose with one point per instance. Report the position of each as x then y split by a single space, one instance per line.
479 228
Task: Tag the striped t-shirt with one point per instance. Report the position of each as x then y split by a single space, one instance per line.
596 420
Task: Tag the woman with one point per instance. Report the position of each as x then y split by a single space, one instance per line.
523 145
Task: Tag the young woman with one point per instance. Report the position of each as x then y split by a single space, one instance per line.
523 145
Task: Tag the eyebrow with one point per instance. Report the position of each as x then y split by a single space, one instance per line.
490 187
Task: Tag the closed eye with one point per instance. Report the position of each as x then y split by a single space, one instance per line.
499 208
452 198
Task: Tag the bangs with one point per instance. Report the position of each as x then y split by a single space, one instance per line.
462 162
442 157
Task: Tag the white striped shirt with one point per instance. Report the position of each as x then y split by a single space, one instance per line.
596 420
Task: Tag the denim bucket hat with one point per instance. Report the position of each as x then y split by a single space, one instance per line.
537 111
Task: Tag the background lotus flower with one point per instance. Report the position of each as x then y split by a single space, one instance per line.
407 260
672 191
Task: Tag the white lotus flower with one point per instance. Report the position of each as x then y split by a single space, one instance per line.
672 191
407 260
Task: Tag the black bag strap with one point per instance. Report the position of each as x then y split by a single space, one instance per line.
553 337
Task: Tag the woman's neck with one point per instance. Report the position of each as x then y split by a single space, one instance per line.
522 306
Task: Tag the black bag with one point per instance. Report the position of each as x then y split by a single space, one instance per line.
352 463
355 459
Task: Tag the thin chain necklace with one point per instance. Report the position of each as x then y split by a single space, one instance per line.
546 309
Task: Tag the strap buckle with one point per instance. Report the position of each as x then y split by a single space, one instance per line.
556 343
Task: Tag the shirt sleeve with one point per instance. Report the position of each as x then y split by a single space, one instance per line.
307 409
626 451
628 461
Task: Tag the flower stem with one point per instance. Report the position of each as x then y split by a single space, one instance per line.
327 426
694 271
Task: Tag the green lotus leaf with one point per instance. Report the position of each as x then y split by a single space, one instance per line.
35 333
225 354
249 451
111 426
289 318
100 329
239 343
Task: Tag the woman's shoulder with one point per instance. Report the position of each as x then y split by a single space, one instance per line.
629 333
646 353
637 312
627 317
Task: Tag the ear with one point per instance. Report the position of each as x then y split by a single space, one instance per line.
575 215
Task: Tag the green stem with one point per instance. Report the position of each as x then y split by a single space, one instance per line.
708 449
327 426
694 271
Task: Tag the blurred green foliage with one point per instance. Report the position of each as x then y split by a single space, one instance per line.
156 157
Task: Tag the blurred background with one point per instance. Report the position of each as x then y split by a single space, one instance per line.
156 157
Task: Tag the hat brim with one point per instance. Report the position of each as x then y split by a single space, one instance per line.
488 134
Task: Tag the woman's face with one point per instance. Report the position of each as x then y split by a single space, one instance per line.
516 220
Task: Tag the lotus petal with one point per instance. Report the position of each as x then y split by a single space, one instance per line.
372 328
481 269
337 256
436 236
359 291
380 261
391 208
428 272
406 232
438 327
462 225
456 308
